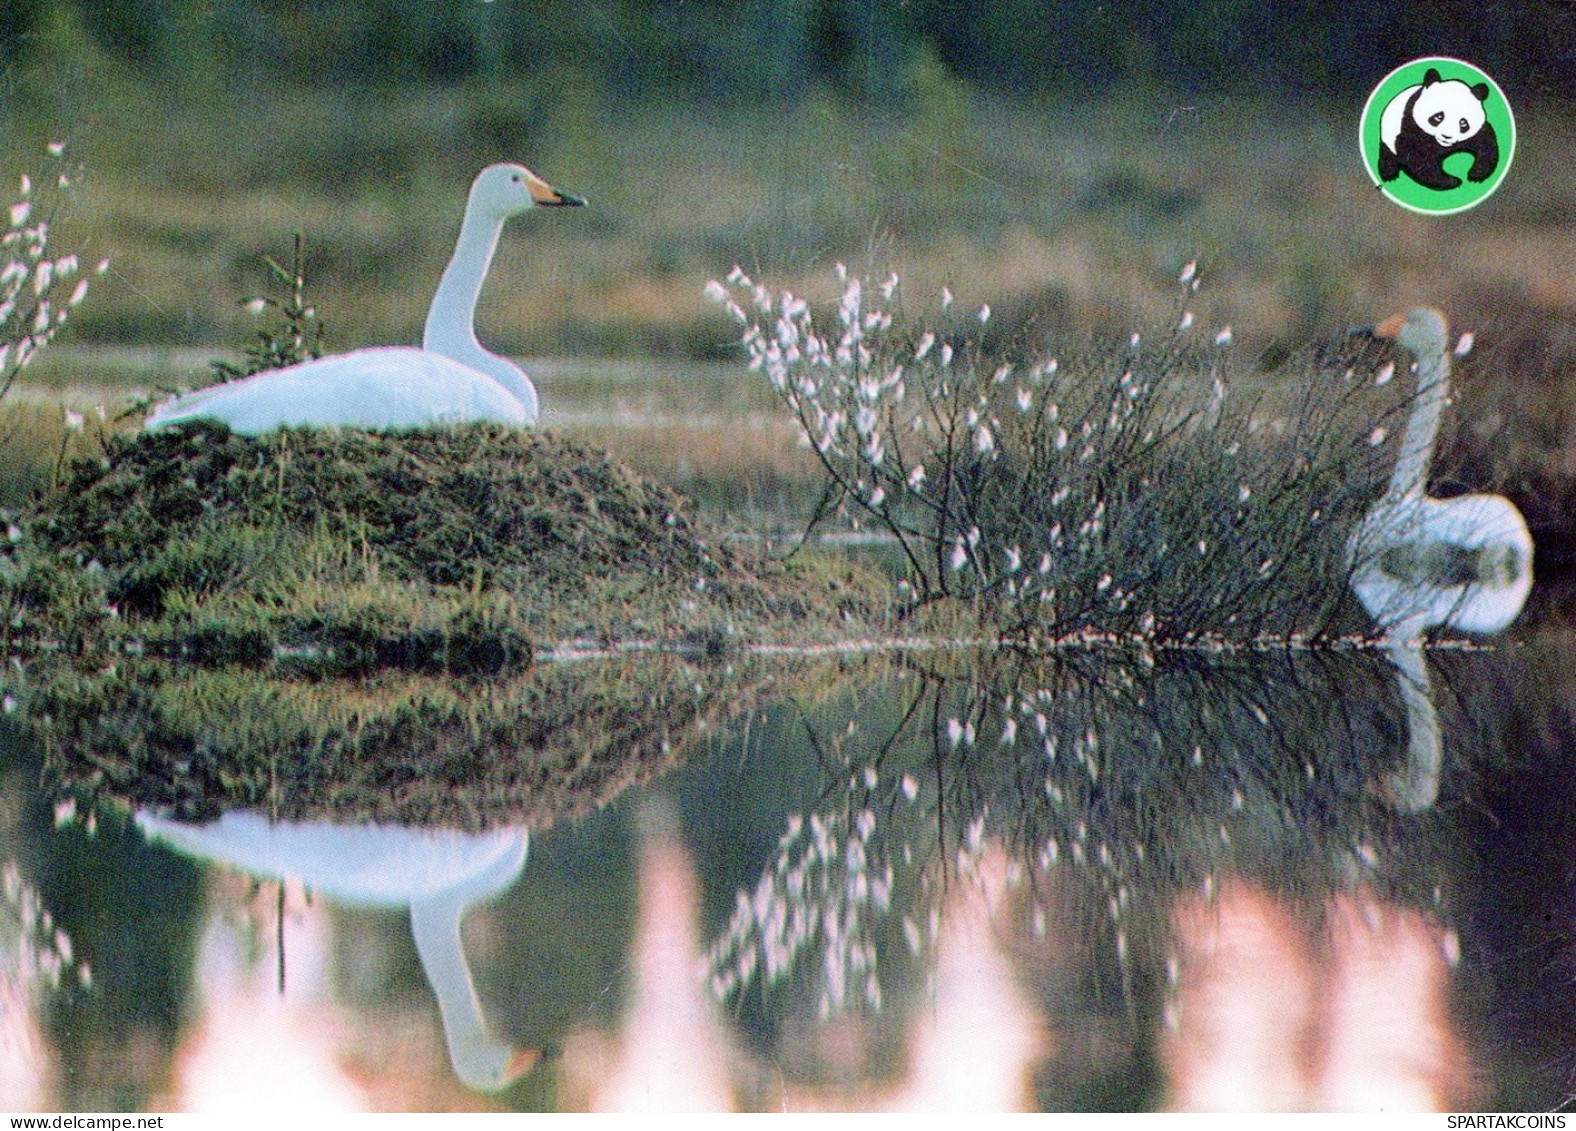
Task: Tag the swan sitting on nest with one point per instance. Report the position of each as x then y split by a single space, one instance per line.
450 379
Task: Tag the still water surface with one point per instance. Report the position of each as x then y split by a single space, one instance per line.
938 878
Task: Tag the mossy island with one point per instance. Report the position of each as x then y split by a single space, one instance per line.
466 550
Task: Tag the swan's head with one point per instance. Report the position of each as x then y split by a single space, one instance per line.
1423 332
502 191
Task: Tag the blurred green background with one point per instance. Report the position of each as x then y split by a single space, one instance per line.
1064 156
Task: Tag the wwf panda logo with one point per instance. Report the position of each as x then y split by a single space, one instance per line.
1423 125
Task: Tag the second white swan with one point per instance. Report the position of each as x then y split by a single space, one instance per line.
1419 562
450 379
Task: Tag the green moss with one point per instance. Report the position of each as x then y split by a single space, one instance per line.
328 553
346 625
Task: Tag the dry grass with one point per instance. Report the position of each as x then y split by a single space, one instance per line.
751 469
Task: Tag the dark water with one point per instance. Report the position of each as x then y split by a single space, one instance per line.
941 877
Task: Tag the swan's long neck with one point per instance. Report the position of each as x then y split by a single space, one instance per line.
1415 786
1417 443
479 1059
451 320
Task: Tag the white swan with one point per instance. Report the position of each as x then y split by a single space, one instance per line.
437 873
1419 562
450 379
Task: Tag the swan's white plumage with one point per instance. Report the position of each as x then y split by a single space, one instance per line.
1464 562
1419 562
451 379
385 387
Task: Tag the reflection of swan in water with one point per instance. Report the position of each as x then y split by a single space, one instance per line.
1415 786
438 873
1419 562
451 378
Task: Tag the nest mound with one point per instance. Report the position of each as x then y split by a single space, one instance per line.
440 547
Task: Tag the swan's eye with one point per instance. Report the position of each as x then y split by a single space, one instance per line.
517 178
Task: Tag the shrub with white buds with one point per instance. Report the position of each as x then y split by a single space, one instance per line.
37 292
1109 470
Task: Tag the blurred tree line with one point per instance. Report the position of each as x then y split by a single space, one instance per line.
721 50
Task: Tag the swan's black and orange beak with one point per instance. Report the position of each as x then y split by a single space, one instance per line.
1390 327
1387 329
545 195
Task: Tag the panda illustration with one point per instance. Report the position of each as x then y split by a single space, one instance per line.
1423 125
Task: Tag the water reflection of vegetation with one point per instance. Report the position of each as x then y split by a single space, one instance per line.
980 793
425 750
1118 784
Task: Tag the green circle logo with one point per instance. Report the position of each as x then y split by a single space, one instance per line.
1437 136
